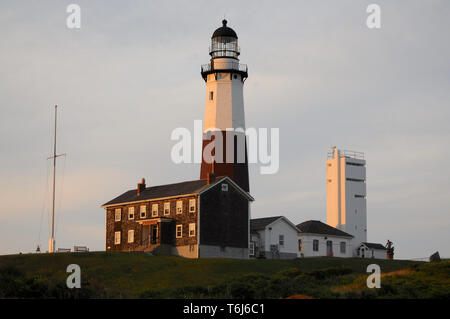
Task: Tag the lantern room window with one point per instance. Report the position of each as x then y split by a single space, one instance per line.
224 43
224 47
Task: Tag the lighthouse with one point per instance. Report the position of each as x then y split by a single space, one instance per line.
224 147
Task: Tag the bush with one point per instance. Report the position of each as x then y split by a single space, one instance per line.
330 272
15 284
190 292
290 273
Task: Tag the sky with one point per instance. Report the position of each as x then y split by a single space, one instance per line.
131 74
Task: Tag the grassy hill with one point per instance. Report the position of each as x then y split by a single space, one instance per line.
131 275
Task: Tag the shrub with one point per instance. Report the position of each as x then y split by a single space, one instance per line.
290 273
330 272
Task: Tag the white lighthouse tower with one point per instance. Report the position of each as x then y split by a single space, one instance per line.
224 109
346 194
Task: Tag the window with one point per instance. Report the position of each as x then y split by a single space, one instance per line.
192 230
192 206
354 180
299 245
130 212
211 95
281 240
117 238
252 249
166 208
224 187
315 245
179 231
154 210
143 211
179 207
131 236
118 214
342 247
191 248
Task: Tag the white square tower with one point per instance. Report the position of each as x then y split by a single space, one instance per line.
346 194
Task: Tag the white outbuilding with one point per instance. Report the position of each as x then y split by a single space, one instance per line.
316 239
273 237
372 250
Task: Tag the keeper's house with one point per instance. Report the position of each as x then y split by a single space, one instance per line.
195 219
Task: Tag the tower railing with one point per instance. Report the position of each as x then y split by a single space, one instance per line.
234 66
347 153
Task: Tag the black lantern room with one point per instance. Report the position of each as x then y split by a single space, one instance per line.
224 43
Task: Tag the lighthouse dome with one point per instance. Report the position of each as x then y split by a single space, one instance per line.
224 43
224 31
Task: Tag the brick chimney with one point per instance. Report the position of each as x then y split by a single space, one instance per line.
211 178
141 187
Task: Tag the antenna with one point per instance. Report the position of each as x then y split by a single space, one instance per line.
51 242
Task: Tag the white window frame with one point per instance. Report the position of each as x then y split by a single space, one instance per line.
343 244
316 241
224 187
192 229
281 239
179 209
131 236
251 249
117 238
118 214
167 206
154 209
180 226
130 213
143 211
192 203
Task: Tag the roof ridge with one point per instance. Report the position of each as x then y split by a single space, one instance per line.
194 180
267 217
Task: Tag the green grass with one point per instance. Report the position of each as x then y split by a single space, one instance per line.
124 274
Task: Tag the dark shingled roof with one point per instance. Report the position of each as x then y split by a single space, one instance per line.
160 191
375 246
317 227
261 223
